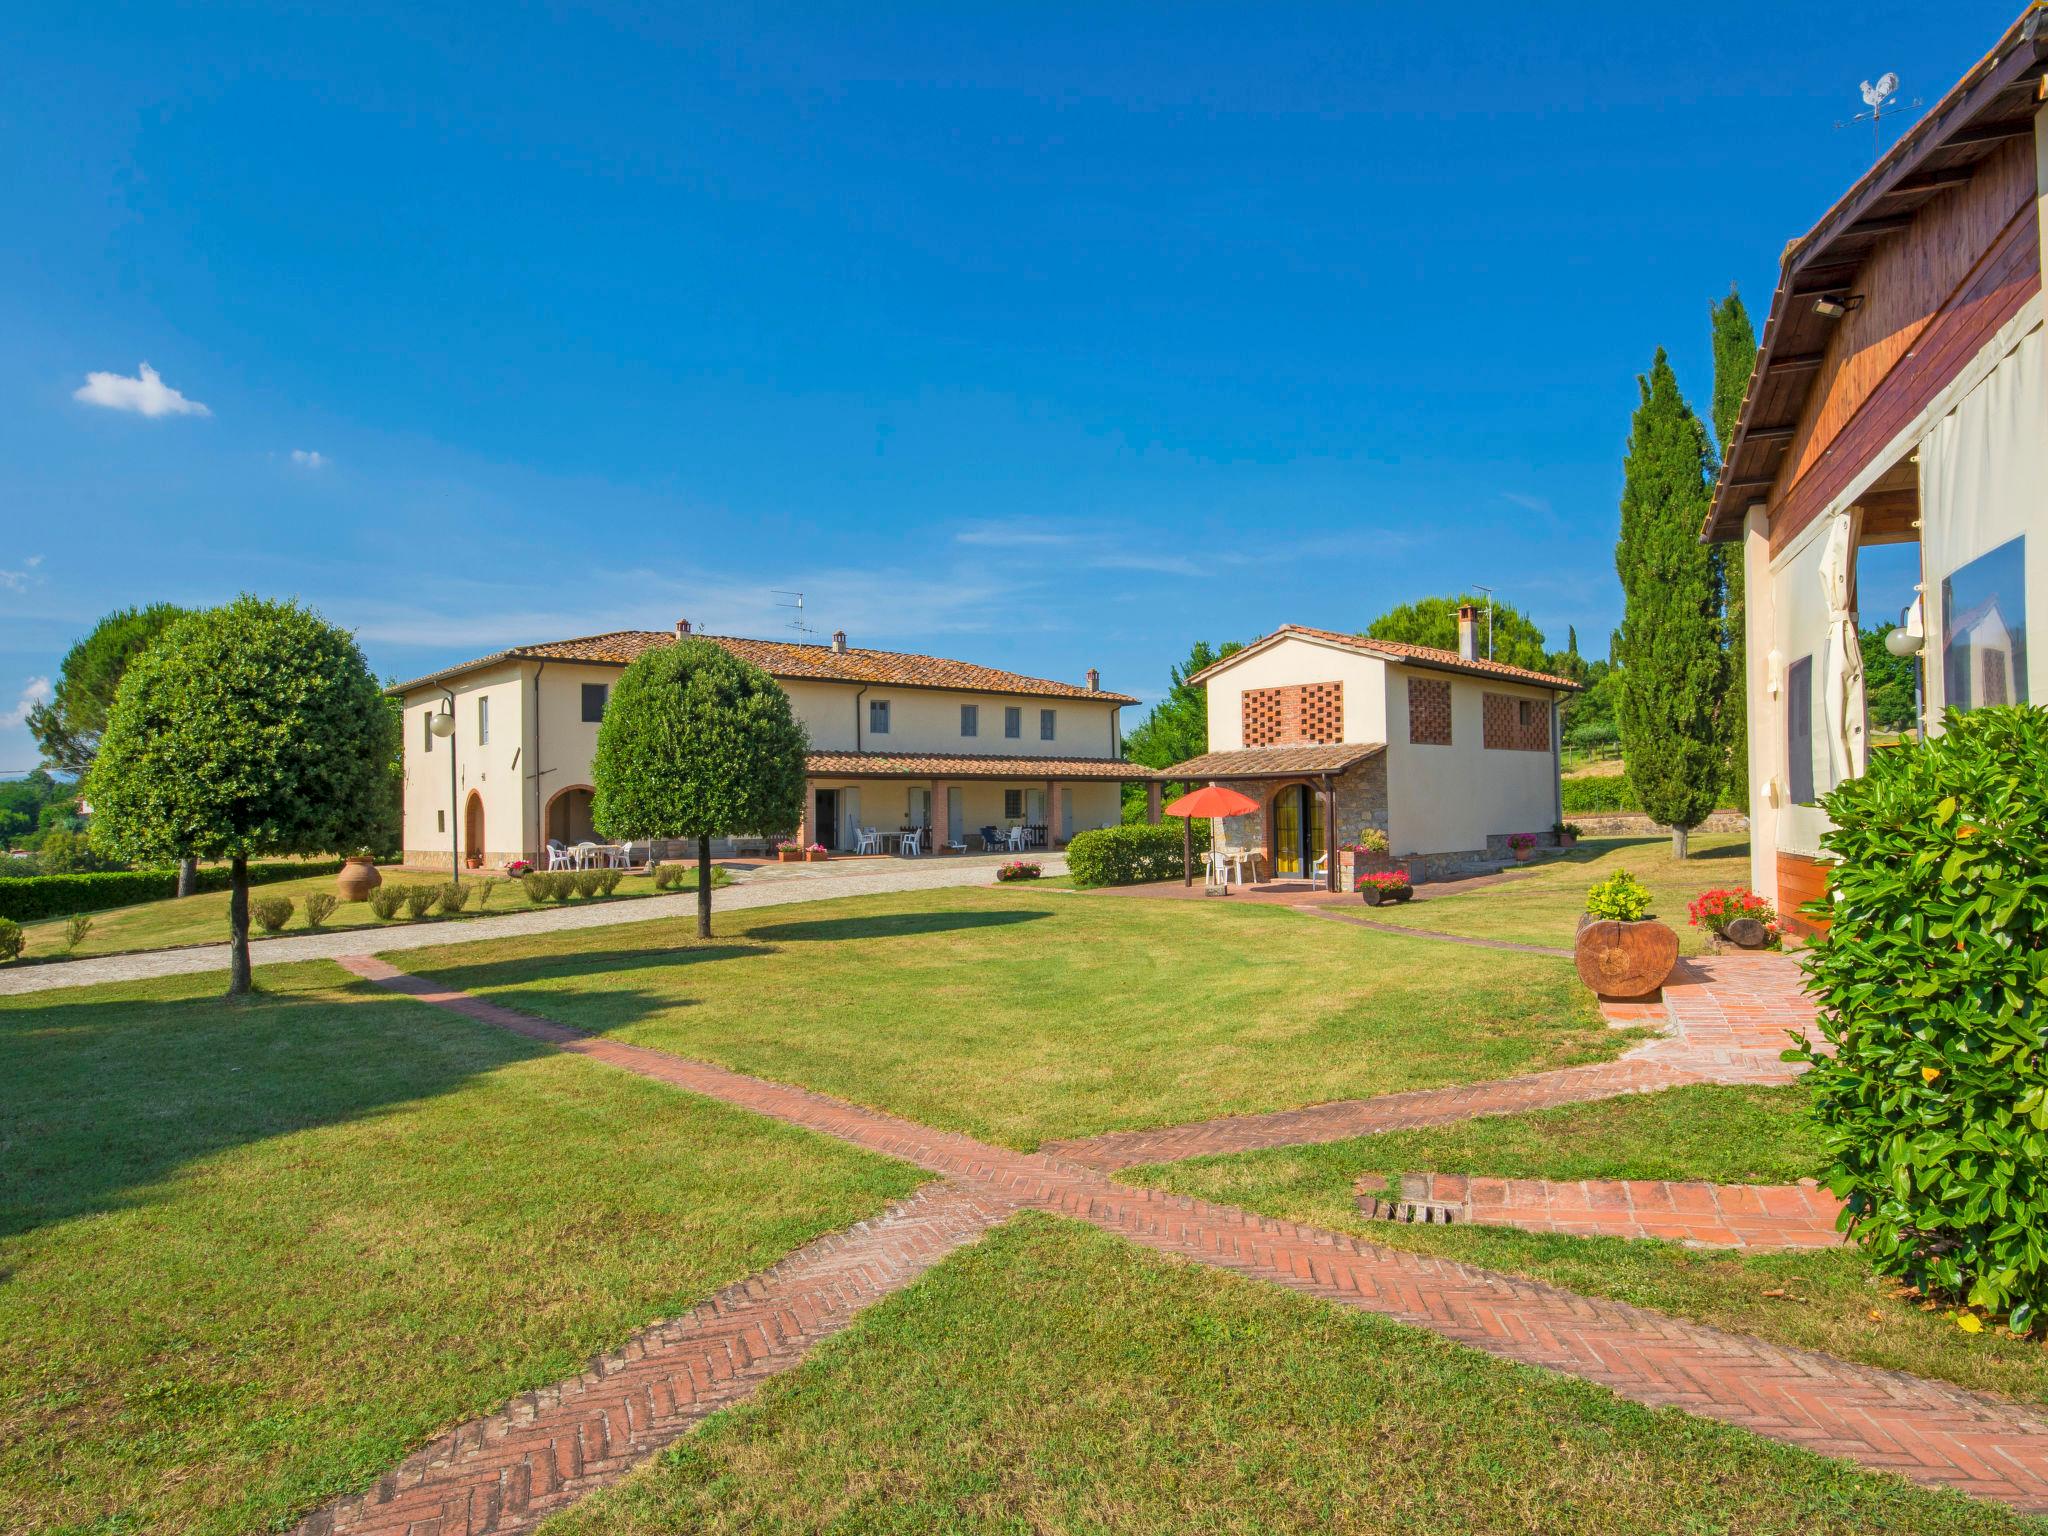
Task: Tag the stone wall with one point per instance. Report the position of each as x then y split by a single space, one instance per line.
1361 803
1636 824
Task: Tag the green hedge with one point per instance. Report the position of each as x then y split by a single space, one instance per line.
1131 854
1612 792
30 897
1933 990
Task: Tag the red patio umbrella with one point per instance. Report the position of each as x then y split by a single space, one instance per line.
1212 800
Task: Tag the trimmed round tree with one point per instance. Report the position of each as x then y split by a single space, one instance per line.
697 744
246 731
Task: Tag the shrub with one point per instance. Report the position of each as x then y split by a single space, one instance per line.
11 941
271 912
1018 869
64 852
320 906
1372 840
75 930
1132 853
455 895
419 900
1620 898
1520 840
668 877
1610 793
608 880
38 896
562 884
386 899
534 884
1932 1088
585 882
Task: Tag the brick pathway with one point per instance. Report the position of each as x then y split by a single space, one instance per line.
1934 1434
507 1472
1755 1216
1725 1019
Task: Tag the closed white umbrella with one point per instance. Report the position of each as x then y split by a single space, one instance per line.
1842 674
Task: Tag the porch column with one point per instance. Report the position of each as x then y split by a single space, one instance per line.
1052 814
942 819
1152 802
1330 832
808 815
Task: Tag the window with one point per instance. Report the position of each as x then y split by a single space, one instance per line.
1799 731
427 729
970 719
1013 801
1013 722
440 821
1047 721
878 717
594 696
1984 629
483 721
1429 712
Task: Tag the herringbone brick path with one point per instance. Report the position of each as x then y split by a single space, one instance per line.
506 1473
1931 1433
1700 1215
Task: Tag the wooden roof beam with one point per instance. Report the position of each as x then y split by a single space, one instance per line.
1797 362
1991 133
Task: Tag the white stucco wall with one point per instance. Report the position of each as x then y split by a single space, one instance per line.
493 770
1451 799
1298 660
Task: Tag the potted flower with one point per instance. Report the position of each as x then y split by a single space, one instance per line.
518 868
1523 846
358 876
1376 887
1018 869
817 853
1736 916
789 851
1364 856
1566 833
1622 951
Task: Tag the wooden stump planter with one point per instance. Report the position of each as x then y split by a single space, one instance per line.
1618 959
1373 895
1747 933
358 878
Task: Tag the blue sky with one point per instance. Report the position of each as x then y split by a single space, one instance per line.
1047 338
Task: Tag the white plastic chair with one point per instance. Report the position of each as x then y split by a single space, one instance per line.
956 844
1320 870
559 856
909 846
867 840
1017 839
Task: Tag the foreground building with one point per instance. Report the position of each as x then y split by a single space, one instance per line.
1446 752
1900 397
897 742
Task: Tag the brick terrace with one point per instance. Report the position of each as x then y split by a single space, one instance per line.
1934 1434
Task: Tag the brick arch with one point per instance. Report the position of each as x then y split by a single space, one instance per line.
566 816
473 843
1269 806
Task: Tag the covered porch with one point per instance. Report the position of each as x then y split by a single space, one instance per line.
1313 801
958 803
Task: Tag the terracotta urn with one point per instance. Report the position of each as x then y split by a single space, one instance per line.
1618 959
1523 855
358 878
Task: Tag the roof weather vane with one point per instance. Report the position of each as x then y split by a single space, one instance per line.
1883 101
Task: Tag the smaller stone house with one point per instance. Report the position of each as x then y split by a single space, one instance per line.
1447 752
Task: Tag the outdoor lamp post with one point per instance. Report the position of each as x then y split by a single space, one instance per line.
442 724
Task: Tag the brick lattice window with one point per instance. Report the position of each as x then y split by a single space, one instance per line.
1429 711
1516 725
1299 712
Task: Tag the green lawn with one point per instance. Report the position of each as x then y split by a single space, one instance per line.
1019 1015
1828 1300
204 919
1057 1379
251 1255
1542 905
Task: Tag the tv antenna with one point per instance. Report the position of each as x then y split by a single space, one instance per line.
1882 99
796 605
1489 617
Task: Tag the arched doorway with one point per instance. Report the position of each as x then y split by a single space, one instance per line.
473 831
567 819
1298 831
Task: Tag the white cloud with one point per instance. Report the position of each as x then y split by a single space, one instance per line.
146 394
1526 502
21 580
307 459
36 692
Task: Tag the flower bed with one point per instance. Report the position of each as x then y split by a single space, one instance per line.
1376 887
1019 869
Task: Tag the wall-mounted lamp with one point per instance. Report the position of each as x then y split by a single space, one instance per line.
1832 306
1902 643
442 723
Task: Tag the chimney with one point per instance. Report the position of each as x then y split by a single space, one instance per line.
682 628
1468 632
1094 681
839 642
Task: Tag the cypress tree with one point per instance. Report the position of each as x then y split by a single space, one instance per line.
1734 360
1674 666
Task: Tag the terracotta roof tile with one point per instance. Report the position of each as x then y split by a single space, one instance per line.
1272 762
1399 650
788 659
969 765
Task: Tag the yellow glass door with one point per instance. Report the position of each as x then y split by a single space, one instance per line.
1316 844
1287 833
